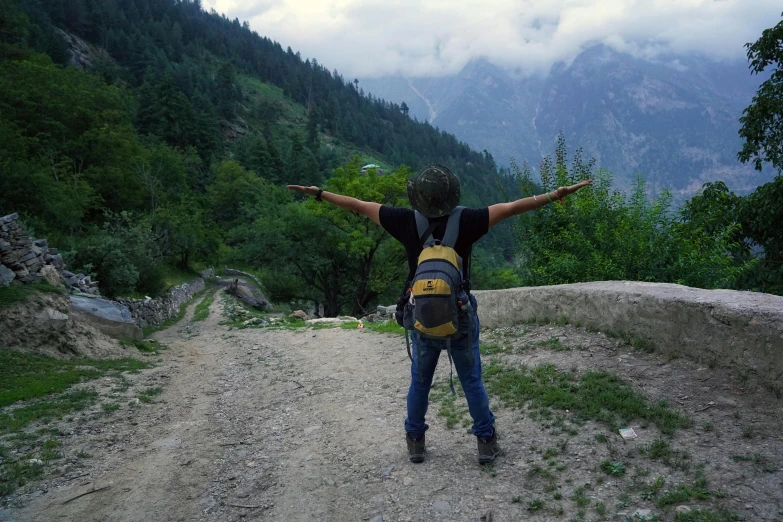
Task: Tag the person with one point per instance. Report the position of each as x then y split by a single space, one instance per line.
435 193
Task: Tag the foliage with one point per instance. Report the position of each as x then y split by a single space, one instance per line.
761 120
602 234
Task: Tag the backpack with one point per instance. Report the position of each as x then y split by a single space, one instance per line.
437 293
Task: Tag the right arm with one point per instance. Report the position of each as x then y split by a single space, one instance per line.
501 211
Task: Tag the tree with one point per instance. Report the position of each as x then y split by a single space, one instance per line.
404 108
762 121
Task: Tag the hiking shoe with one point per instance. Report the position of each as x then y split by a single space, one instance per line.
488 449
415 448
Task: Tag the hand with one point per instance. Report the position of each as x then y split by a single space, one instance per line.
310 191
566 191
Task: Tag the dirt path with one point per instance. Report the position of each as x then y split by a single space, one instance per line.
304 424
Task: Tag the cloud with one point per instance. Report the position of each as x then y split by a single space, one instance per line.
371 38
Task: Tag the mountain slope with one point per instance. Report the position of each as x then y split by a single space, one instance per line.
675 123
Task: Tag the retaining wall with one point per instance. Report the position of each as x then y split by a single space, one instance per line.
154 312
732 329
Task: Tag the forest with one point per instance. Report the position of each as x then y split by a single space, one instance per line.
149 138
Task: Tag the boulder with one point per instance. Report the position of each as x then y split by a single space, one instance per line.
6 275
106 316
50 274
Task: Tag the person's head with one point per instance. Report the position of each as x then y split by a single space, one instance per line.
434 191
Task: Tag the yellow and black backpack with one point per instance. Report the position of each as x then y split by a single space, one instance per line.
438 293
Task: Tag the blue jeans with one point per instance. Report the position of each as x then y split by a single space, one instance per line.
467 361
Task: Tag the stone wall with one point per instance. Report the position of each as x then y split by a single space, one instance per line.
735 330
154 312
27 260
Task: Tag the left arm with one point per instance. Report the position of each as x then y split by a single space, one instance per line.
501 211
369 209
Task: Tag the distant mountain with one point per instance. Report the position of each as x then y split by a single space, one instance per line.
675 122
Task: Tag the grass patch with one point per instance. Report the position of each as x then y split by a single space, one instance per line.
202 309
684 492
579 497
147 395
535 505
599 396
490 348
452 407
110 407
27 376
147 347
661 450
15 473
552 343
12 294
46 410
705 515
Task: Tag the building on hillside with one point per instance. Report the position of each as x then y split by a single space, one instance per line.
369 166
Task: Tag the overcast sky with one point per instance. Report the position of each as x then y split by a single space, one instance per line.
370 38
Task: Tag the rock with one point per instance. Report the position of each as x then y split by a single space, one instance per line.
387 472
682 509
378 518
35 462
407 481
300 314
441 507
6 275
642 513
49 273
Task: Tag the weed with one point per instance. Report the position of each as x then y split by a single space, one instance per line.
516 500
579 497
613 468
600 508
110 407
660 450
552 344
549 453
535 505
557 496
147 395
81 454
707 427
489 469
747 432
601 438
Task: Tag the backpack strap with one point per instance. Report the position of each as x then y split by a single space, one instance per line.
424 228
452 228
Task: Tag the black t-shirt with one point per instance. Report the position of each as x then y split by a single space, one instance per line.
401 224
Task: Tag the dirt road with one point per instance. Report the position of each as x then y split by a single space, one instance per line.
305 424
